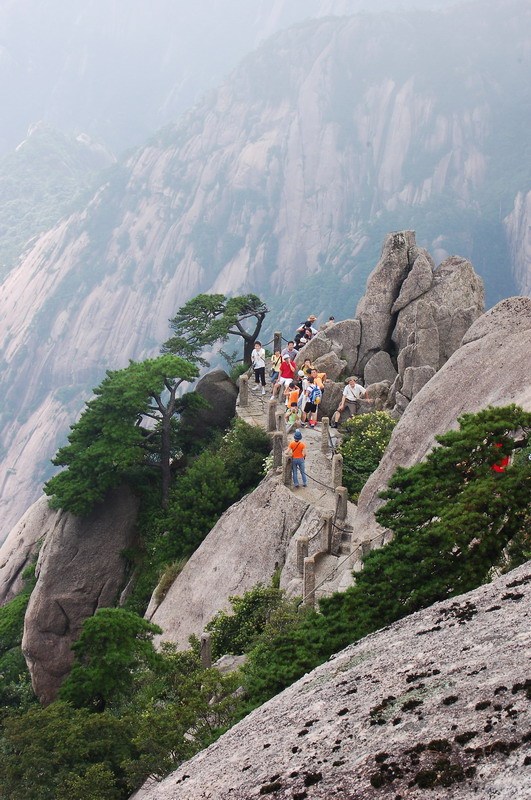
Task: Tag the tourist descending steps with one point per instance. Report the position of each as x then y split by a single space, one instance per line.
258 357
297 451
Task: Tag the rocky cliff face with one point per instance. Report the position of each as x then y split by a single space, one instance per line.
492 367
411 319
435 705
81 568
518 228
282 182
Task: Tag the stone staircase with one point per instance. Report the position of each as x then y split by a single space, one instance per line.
324 557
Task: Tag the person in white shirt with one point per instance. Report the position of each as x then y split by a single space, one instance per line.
258 362
352 394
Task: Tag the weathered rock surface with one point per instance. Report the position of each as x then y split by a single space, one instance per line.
517 225
379 368
331 364
221 393
493 368
253 536
436 705
383 288
22 545
80 568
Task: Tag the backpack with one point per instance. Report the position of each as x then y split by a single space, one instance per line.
315 395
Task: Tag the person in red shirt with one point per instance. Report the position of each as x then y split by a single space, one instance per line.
287 371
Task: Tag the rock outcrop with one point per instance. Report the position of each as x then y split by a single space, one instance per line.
436 705
221 393
411 319
492 367
22 545
81 567
245 547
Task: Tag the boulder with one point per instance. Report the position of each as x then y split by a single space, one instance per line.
347 336
20 548
416 284
331 364
433 706
221 393
319 346
379 368
253 537
414 379
491 369
383 287
331 398
379 393
81 568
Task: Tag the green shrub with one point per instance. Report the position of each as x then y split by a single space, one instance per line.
454 520
167 578
365 438
235 633
114 645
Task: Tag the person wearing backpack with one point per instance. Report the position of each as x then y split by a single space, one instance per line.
313 398
297 451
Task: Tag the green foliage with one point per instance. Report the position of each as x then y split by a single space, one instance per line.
46 752
197 501
210 318
172 709
182 709
454 520
365 438
108 445
15 685
236 632
206 487
167 578
243 449
113 646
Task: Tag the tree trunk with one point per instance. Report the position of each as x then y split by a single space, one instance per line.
165 459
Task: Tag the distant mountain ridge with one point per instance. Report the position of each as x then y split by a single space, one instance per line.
282 182
119 69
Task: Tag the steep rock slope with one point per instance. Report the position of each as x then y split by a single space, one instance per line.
435 705
244 548
492 367
21 547
283 183
81 567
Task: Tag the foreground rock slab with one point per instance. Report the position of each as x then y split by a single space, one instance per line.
436 705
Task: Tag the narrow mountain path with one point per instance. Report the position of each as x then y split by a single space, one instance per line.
332 570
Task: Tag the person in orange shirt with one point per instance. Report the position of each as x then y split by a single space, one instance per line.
297 451
318 378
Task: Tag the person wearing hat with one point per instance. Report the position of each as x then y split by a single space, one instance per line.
297 451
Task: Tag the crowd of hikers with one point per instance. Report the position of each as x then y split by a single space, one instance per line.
301 389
